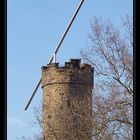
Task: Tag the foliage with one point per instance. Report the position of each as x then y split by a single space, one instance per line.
111 54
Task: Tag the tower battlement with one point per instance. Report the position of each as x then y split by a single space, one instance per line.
72 64
71 73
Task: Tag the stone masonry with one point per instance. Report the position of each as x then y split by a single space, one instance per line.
67 101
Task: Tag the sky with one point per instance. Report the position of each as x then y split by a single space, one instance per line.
34 27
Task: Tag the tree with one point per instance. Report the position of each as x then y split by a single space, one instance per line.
111 54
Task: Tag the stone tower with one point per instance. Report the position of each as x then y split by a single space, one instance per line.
67 101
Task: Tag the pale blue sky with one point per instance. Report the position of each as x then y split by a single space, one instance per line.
33 30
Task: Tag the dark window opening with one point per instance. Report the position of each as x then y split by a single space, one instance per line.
69 102
49 116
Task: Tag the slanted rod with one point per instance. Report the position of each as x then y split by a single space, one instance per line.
57 47
67 29
33 94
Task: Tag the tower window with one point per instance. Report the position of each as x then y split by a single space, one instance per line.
49 116
68 102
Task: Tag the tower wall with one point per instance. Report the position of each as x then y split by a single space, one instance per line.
67 101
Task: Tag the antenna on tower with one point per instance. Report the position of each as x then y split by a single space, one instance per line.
53 57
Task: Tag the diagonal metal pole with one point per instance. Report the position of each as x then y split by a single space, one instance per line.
57 47
33 94
66 31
